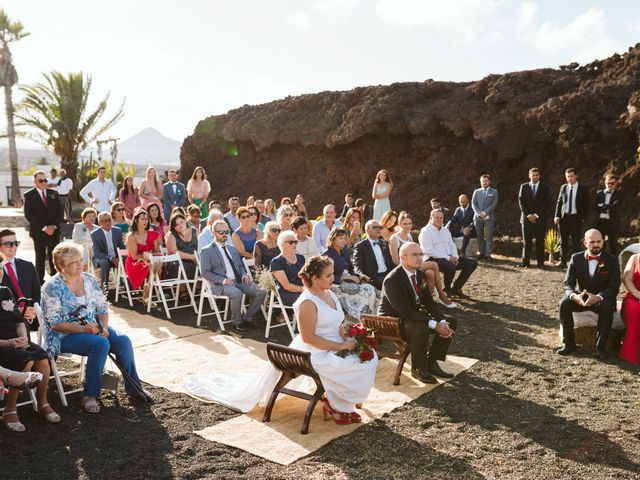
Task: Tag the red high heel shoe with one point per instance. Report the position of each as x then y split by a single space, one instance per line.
339 418
355 417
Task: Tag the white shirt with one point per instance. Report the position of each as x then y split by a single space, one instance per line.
607 199
102 192
321 232
233 221
573 190
307 248
377 251
13 265
109 236
54 182
65 186
593 264
227 264
437 243
432 323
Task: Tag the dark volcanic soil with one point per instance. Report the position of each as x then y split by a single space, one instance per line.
521 412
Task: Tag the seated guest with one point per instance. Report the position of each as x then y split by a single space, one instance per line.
298 202
597 275
183 240
630 350
245 237
256 218
251 201
156 222
438 246
118 217
388 222
206 237
215 205
286 267
267 249
142 243
82 233
223 268
402 236
356 297
371 257
322 227
18 353
437 205
78 322
284 202
262 218
306 246
106 242
353 224
404 297
231 216
365 210
348 205
194 213
269 209
284 217
461 224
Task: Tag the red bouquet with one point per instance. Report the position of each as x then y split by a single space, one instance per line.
366 342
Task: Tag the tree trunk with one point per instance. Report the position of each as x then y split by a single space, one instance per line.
16 198
70 164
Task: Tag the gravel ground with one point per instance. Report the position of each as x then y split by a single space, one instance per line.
522 412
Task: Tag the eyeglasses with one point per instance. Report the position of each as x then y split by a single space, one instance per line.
223 232
242 217
291 242
275 230
11 244
415 255
376 227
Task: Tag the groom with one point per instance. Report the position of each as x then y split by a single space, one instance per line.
403 296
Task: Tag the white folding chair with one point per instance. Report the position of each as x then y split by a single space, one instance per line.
121 278
275 301
206 293
158 285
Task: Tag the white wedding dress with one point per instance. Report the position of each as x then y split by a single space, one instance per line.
346 381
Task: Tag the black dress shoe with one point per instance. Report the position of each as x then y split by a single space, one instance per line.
566 350
601 354
435 369
250 324
422 375
522 265
240 327
456 292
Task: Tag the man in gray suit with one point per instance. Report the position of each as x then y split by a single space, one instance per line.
484 201
173 194
106 242
223 268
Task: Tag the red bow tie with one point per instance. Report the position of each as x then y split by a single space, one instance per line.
589 258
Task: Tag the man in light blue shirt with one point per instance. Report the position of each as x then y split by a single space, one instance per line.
323 227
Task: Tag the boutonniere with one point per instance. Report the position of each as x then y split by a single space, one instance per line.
8 305
424 285
601 265
53 195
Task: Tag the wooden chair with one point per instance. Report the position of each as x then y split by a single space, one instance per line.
388 328
293 362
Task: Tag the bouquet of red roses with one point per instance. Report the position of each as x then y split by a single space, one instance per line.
366 342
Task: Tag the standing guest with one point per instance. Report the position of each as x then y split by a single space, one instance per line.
535 201
353 224
256 218
322 227
206 237
43 211
436 204
371 258
630 351
183 240
251 201
82 233
78 322
286 267
64 190
269 209
597 275
156 222
150 189
439 247
106 241
388 222
142 244
267 249
572 208
198 190
259 204
225 272
54 180
299 204
484 202
99 192
215 205
284 217
173 193
306 246
607 205
231 216
382 187
194 221
119 218
246 235
129 196
462 223
365 210
348 205
404 297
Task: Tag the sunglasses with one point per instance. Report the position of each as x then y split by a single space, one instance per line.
242 217
377 227
42 180
291 242
275 230
120 209
288 215
223 232
11 244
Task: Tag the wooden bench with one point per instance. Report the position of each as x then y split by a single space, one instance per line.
388 328
292 363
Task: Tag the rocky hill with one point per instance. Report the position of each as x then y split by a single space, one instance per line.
435 138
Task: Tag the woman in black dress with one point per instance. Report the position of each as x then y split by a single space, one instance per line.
286 267
19 354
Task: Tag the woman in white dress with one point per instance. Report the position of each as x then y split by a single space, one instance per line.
346 381
382 188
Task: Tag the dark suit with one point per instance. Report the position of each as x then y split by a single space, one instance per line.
39 216
571 219
101 257
462 219
345 210
610 227
399 300
604 282
539 205
365 263
171 199
27 280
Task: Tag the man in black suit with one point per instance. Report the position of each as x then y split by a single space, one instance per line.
106 241
19 275
607 205
597 274
534 199
404 296
43 211
372 258
348 205
461 224
572 208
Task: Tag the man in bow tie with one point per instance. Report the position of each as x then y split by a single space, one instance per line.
372 258
173 194
597 275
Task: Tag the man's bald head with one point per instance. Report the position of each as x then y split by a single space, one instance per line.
411 256
463 200
593 241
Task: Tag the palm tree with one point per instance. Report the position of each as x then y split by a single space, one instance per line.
10 32
56 112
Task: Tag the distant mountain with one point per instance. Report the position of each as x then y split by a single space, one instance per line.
150 147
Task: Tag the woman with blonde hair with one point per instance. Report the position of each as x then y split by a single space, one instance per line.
198 190
285 217
270 209
151 189
382 187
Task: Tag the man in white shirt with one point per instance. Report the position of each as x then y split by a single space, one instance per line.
438 246
306 246
99 192
65 185
54 181
230 217
323 227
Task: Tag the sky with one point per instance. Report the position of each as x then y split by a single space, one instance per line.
179 62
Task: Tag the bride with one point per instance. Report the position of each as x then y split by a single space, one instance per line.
346 381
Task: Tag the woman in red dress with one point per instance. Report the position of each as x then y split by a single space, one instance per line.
630 350
142 243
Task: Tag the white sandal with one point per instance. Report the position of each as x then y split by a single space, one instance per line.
52 417
90 405
12 426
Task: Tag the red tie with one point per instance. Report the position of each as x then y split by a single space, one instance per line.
14 281
589 258
44 197
415 284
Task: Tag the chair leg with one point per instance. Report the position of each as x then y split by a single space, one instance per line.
288 322
201 306
284 379
312 405
269 315
404 353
